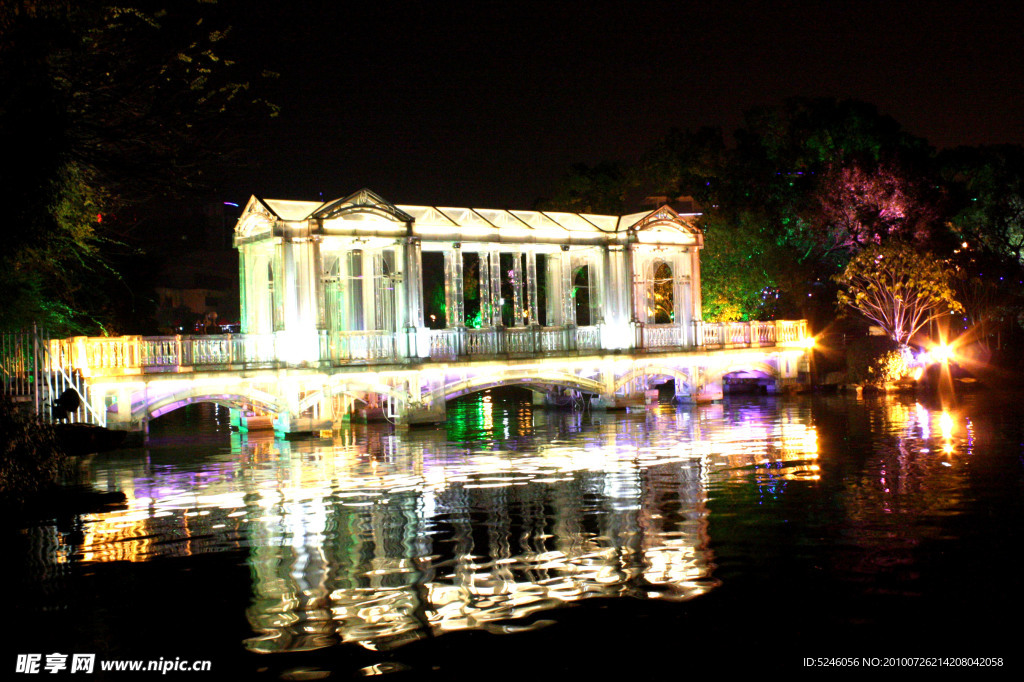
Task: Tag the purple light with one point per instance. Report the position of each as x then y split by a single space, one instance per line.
229 203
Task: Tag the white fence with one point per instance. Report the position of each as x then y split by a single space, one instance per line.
150 354
33 372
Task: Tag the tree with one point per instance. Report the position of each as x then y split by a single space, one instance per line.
743 270
600 189
858 207
124 104
683 163
899 288
988 186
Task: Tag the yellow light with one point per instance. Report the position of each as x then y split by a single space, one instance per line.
917 373
808 342
946 424
942 352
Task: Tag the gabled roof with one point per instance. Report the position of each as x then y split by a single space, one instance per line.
290 210
256 218
363 201
661 225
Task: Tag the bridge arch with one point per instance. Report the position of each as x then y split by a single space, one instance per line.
680 376
746 377
540 381
343 385
254 398
762 369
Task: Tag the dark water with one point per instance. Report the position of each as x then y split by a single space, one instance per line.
520 543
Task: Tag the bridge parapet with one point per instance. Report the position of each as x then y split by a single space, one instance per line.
133 355
310 382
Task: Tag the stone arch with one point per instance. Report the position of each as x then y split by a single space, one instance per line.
747 376
679 375
539 381
189 396
764 368
340 385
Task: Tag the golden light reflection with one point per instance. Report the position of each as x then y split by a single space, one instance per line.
371 539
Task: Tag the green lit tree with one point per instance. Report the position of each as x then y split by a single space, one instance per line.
124 104
899 288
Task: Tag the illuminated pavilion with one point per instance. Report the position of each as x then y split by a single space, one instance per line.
355 266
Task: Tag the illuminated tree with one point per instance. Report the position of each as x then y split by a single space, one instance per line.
740 264
859 206
122 105
988 186
899 288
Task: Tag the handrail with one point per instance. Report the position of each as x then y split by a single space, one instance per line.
130 355
75 381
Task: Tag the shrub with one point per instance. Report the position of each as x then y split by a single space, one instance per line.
876 360
31 459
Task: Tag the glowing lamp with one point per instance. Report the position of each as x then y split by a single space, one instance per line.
943 353
808 342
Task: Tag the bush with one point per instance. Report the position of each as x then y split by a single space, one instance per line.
31 459
875 361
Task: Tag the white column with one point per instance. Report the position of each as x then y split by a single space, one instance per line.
414 282
531 287
517 289
243 288
553 305
495 272
484 284
289 286
568 300
695 283
454 302
369 276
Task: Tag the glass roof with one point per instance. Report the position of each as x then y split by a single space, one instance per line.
367 206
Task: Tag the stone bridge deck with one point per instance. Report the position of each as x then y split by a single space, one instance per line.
306 383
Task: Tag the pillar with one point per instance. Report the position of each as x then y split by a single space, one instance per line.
695 283
454 296
517 289
484 283
531 287
495 272
413 282
568 301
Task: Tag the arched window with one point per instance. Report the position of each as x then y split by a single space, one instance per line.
662 297
384 290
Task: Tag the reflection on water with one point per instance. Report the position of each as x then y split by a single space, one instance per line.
379 537
885 524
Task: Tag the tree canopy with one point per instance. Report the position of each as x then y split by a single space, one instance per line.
803 189
899 288
122 104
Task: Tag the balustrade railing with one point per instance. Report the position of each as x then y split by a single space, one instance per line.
554 339
362 346
137 354
444 344
662 336
752 334
35 370
588 338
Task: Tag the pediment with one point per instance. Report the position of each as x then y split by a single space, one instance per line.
363 202
664 225
256 218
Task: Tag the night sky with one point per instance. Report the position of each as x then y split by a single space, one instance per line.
488 104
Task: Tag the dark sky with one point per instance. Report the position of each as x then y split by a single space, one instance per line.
487 104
